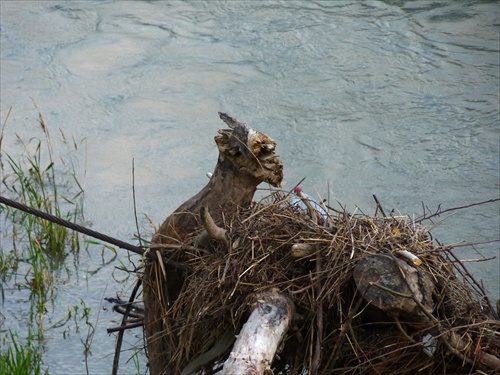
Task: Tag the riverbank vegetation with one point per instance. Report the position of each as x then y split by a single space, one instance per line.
39 258
34 251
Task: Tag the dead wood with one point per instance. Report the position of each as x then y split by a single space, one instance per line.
367 291
355 336
212 231
246 158
302 250
402 291
258 341
390 285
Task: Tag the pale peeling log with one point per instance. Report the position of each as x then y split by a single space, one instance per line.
260 337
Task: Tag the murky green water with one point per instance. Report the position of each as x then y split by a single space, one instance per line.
394 98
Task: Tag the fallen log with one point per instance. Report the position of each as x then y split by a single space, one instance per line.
260 337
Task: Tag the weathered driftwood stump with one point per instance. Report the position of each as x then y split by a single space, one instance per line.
246 158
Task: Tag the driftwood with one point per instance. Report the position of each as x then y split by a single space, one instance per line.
368 292
246 158
259 339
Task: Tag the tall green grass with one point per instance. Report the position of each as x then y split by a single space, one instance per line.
22 357
34 250
32 179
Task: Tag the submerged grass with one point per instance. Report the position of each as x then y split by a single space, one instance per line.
33 250
32 180
21 357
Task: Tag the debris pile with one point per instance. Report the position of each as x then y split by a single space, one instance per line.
371 295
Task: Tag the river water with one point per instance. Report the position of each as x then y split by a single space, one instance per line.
394 98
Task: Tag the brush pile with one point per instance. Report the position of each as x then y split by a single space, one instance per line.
337 326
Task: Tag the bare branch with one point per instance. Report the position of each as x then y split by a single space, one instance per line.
212 229
439 211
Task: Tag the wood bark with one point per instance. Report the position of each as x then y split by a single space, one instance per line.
246 158
260 337
390 285
394 286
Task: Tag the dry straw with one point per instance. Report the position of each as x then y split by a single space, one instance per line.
335 330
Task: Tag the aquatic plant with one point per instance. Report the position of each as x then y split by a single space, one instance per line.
33 251
32 179
22 357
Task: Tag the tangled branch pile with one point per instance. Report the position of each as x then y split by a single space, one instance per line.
335 329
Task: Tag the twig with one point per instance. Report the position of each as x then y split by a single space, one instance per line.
346 217
475 260
443 248
266 207
469 275
447 335
403 332
298 184
379 206
319 319
123 309
353 312
452 246
439 211
123 328
454 343
135 205
119 339
89 232
388 290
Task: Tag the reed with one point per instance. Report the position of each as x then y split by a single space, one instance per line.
21 357
33 251
39 180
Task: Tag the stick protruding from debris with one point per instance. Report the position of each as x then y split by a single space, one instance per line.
211 229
